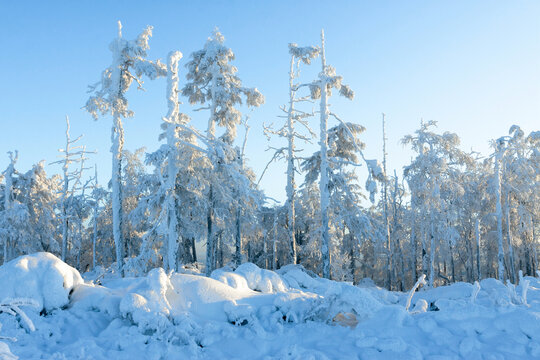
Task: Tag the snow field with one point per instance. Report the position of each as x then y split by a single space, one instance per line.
252 313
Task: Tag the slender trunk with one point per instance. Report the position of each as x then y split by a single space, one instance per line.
193 250
477 235
65 194
265 249
172 168
209 235
117 139
452 265
352 259
431 252
274 245
323 185
535 253
7 201
238 239
117 135
424 250
498 212
413 246
389 265
291 186
512 272
210 133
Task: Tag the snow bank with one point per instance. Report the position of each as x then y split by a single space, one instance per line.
41 277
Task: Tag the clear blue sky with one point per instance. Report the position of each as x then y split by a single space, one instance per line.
473 66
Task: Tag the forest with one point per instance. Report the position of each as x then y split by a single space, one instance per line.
195 203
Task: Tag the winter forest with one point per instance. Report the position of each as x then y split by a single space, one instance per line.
350 231
452 215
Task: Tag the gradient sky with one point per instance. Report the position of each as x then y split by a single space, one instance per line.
473 66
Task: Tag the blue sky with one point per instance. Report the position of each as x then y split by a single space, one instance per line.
473 66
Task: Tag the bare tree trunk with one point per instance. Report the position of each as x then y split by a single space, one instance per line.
477 235
323 184
498 212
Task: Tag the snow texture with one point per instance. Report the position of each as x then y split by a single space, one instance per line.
252 313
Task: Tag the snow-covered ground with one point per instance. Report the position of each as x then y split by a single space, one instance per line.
252 313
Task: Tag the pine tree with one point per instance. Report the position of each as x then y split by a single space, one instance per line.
212 81
129 64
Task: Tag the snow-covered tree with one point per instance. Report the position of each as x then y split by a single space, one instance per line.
433 179
213 83
71 154
129 64
322 89
290 132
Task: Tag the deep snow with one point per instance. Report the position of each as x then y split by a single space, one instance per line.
252 313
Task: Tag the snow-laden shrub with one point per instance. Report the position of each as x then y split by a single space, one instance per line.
41 277
236 281
299 306
337 297
148 304
298 277
262 280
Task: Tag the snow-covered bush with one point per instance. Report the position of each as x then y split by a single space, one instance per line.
262 280
148 304
41 277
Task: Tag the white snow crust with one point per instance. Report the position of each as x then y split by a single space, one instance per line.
252 313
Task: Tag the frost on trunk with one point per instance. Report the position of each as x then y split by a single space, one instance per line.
323 184
389 264
322 89
290 132
129 64
8 176
173 117
498 211
72 153
512 272
477 236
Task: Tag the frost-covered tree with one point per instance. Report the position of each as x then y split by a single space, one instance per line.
213 83
433 179
98 196
8 215
30 222
72 153
347 220
322 89
289 131
129 64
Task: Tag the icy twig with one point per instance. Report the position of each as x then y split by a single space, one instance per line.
421 280
12 307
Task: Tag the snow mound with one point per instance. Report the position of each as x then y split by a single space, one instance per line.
236 281
41 277
262 280
151 303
